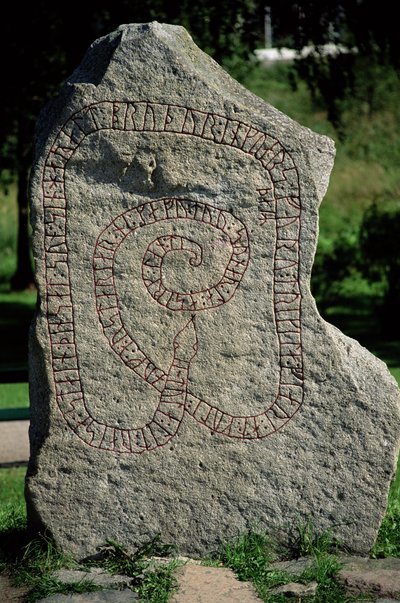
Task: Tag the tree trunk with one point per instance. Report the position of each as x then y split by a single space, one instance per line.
391 304
23 276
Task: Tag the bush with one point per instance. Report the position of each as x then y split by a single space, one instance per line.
379 247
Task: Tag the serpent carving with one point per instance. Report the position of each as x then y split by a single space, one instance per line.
278 202
173 386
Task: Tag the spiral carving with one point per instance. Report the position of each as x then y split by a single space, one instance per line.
279 203
173 384
207 298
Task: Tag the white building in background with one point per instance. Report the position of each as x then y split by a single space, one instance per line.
273 55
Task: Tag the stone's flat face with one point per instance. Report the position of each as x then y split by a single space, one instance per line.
165 276
182 381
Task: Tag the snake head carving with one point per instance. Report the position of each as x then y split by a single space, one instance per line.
186 342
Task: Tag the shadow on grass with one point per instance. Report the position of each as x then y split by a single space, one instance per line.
16 313
357 317
14 534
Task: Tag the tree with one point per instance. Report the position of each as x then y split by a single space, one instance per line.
43 41
366 35
379 245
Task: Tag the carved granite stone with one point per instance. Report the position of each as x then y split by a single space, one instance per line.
182 381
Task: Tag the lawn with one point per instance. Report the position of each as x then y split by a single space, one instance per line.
16 312
12 486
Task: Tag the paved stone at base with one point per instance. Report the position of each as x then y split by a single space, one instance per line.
377 576
360 575
10 593
14 442
200 584
294 589
294 566
102 596
182 382
95 575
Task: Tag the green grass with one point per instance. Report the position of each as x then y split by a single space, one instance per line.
14 395
367 160
31 563
8 233
12 486
153 584
310 542
13 534
158 585
16 313
323 571
12 521
250 556
247 554
388 541
34 568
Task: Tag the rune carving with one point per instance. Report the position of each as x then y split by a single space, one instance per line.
279 203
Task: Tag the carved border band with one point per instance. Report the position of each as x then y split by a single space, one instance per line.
280 204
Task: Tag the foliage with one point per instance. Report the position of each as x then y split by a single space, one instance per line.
388 541
251 554
34 568
45 41
153 584
44 586
16 312
8 232
367 51
248 555
355 23
116 559
32 563
379 237
336 261
12 513
12 531
355 88
364 262
11 491
323 571
310 542
157 586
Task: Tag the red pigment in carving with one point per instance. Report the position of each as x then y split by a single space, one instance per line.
282 205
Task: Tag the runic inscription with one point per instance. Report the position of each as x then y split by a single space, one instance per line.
279 202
